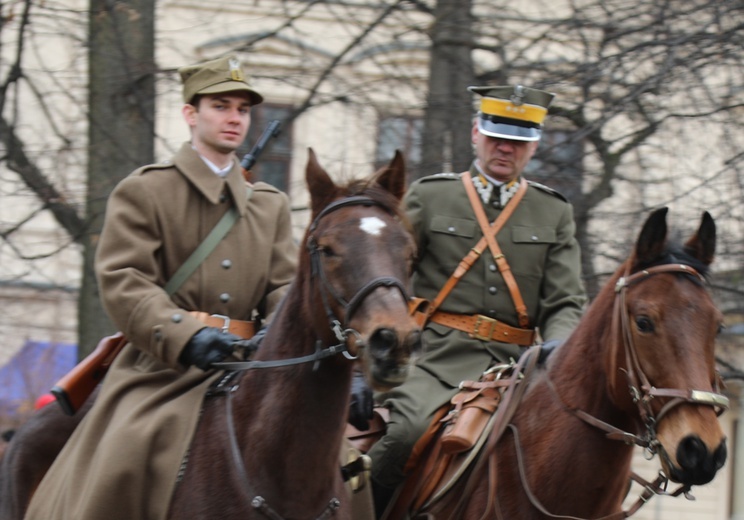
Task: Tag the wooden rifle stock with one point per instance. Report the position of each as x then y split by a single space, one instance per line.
74 388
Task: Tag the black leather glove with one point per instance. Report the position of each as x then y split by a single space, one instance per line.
209 345
362 402
249 346
547 348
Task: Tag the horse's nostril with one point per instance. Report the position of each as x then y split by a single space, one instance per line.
691 452
383 339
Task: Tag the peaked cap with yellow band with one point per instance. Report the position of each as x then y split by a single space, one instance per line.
512 112
224 74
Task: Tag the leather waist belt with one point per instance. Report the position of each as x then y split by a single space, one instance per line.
244 329
485 328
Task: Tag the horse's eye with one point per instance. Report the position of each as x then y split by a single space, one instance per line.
644 324
326 251
721 328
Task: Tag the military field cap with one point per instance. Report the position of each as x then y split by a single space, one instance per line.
512 112
224 74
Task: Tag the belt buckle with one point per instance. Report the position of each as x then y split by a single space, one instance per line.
225 322
480 319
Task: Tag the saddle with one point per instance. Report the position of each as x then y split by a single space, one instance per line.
460 437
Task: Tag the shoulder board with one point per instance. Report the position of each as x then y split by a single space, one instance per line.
157 166
551 191
441 177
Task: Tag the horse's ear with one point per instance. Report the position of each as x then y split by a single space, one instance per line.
652 239
320 185
393 176
702 245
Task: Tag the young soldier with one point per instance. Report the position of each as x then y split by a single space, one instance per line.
122 461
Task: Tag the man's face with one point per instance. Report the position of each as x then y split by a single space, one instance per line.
502 159
219 122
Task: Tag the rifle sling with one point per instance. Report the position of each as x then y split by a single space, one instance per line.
202 251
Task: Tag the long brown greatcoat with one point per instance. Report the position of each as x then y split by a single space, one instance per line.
123 459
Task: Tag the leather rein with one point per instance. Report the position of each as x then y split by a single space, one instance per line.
642 392
340 330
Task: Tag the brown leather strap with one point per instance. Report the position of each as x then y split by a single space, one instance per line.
244 329
467 262
489 233
485 328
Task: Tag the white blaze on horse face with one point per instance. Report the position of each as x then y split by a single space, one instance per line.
371 225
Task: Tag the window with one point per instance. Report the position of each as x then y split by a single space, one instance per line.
273 164
399 133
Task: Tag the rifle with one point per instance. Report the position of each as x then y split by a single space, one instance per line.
251 157
74 388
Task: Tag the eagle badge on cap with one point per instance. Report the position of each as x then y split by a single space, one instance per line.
518 97
235 72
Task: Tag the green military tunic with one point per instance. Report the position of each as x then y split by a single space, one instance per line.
539 244
122 461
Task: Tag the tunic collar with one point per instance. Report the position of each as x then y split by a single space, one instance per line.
191 166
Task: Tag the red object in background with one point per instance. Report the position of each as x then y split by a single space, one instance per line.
43 400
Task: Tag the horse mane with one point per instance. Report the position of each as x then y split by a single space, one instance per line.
676 254
370 188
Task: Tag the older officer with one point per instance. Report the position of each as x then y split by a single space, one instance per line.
123 460
532 282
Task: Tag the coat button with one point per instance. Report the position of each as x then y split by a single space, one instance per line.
176 318
493 290
534 238
492 268
224 297
226 263
223 197
451 229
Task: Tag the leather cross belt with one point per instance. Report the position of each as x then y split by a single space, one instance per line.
244 329
485 328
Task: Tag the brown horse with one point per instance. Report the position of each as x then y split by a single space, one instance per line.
269 439
639 369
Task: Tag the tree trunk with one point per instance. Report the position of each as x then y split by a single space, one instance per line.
121 128
448 120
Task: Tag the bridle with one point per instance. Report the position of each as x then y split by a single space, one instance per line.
643 392
338 326
340 330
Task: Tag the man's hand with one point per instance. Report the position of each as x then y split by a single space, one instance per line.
209 345
547 348
249 346
362 402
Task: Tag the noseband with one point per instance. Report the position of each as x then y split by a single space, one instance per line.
340 327
641 390
642 393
